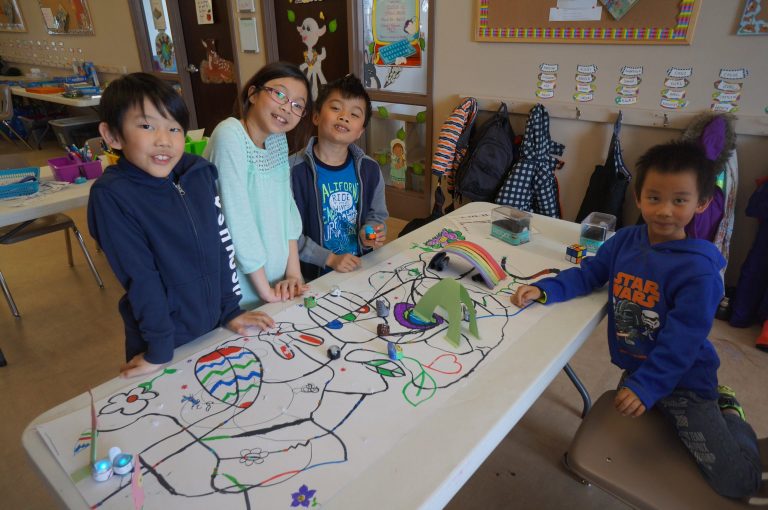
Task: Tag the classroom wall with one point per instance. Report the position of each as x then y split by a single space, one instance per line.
509 70
112 47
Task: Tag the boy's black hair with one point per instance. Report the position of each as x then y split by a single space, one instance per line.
271 71
130 90
350 87
677 157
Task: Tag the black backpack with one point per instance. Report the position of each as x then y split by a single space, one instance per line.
490 155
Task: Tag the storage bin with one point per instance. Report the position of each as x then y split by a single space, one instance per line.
68 168
511 225
196 147
597 228
10 185
75 130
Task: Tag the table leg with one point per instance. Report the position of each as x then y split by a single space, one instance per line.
579 386
3 361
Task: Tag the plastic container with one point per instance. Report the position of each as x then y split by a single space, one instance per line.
596 229
68 168
196 147
511 225
75 130
10 185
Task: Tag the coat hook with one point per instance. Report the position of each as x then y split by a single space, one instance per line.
665 123
578 113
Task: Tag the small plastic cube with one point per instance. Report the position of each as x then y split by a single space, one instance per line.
575 253
382 329
369 232
310 302
576 250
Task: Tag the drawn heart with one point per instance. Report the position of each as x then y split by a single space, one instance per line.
446 364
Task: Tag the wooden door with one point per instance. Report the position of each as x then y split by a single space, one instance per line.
210 61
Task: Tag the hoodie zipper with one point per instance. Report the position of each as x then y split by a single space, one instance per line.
317 198
201 256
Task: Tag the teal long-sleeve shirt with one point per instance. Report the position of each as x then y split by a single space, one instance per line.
255 190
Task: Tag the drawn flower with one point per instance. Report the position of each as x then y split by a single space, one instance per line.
252 456
303 497
446 236
129 403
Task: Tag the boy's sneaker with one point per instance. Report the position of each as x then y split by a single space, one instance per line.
727 400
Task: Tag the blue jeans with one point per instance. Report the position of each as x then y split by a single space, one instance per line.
723 445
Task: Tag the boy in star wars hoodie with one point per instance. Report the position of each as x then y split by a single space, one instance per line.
157 216
663 292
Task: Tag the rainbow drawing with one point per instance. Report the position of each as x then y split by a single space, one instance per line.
479 257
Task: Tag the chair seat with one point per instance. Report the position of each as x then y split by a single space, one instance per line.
38 227
642 462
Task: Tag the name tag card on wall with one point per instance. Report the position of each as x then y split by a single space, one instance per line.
204 12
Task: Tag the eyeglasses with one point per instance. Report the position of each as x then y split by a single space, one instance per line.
279 97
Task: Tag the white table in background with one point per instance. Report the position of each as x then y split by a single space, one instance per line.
432 461
82 102
70 197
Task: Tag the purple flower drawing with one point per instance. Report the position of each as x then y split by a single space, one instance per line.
303 497
446 236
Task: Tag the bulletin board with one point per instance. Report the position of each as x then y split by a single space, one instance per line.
71 18
647 22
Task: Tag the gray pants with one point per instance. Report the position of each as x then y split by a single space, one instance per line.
724 445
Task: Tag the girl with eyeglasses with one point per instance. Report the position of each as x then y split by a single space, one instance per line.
251 154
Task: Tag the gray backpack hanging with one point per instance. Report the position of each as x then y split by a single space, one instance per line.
531 184
608 183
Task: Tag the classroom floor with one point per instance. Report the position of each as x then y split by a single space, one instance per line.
70 338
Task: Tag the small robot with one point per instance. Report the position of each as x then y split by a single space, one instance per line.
334 352
382 309
394 351
575 253
335 291
118 463
310 302
370 233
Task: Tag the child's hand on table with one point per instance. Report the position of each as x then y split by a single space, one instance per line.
628 404
138 366
290 288
343 263
242 322
524 295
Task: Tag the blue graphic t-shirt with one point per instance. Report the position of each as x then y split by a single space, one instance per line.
339 193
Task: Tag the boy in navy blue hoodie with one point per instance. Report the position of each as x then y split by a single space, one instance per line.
337 188
664 289
157 216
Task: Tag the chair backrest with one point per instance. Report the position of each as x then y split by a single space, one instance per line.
6 103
